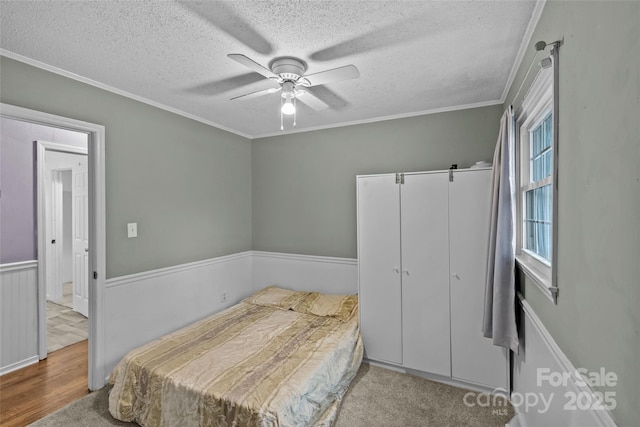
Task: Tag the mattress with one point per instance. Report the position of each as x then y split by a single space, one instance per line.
249 365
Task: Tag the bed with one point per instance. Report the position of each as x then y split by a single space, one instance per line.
277 358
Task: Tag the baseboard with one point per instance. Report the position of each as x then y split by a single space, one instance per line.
19 365
536 368
434 377
330 275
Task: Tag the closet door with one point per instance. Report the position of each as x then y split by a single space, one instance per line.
425 273
473 358
379 267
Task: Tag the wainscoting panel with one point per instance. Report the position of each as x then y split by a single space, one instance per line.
19 315
142 307
546 397
305 273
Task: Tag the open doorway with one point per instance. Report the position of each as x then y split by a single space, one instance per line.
63 178
33 334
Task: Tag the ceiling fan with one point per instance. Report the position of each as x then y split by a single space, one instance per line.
288 73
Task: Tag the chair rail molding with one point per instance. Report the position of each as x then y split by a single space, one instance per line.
305 272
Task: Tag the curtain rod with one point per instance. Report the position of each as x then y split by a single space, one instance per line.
539 46
515 98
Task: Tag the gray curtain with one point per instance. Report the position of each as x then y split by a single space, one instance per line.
499 301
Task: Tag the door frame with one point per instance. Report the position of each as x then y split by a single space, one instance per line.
44 263
97 235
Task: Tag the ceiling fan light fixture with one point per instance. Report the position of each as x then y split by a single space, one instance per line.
288 108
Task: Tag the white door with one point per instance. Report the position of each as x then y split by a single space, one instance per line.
379 267
474 358
80 234
55 162
425 273
54 234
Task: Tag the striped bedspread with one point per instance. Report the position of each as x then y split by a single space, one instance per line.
249 365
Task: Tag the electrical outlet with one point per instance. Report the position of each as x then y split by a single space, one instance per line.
223 297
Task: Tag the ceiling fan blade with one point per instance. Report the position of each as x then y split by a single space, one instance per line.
306 97
335 75
231 83
256 94
250 63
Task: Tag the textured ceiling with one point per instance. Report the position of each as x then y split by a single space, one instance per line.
413 56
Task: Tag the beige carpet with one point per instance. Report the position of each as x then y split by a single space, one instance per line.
376 397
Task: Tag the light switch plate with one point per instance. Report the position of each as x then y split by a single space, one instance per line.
132 229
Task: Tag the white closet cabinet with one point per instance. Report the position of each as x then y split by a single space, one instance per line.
421 257
473 358
425 286
379 266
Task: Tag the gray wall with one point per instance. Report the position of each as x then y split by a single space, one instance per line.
597 319
17 182
304 187
186 184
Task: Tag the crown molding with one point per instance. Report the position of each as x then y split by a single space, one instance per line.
526 40
383 118
103 86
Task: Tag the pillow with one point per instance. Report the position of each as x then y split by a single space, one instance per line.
272 296
342 307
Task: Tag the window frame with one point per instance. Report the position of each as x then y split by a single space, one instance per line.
540 100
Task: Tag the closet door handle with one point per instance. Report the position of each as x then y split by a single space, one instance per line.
396 270
455 276
406 272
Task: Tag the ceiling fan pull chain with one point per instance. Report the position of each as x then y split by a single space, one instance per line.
295 112
281 113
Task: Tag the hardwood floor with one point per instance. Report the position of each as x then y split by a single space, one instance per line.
28 394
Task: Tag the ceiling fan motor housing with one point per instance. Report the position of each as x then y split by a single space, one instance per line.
288 68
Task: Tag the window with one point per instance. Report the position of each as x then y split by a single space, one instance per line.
537 191
536 155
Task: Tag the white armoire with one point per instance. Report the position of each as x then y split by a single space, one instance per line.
422 246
